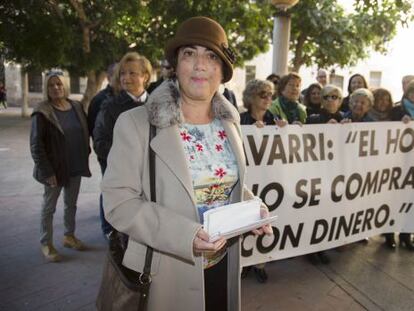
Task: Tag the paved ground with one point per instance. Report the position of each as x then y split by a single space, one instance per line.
361 277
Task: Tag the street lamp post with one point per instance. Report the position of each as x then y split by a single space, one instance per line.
281 35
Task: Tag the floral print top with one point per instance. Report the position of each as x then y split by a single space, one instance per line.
213 168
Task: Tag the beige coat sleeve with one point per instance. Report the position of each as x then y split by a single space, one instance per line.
125 202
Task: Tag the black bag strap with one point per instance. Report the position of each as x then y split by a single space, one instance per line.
146 275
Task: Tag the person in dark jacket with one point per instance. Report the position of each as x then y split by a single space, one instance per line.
230 96
383 105
274 78
99 98
131 79
405 112
59 144
3 95
381 111
331 97
312 99
257 98
167 72
355 82
93 110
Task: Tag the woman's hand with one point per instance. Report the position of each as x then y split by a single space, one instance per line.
51 181
346 120
281 123
332 121
297 123
267 229
201 242
259 124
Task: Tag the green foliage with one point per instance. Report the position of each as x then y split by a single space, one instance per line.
44 34
51 33
325 35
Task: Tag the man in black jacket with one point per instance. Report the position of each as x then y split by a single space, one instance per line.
99 98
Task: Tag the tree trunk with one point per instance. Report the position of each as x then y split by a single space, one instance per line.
298 58
93 85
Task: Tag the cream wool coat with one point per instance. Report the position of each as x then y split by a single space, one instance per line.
170 225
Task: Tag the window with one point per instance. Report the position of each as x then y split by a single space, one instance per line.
35 81
337 80
375 78
250 73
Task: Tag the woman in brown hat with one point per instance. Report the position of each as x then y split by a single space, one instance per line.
200 165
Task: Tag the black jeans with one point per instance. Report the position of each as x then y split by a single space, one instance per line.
215 284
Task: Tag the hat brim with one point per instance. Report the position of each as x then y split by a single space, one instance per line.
175 43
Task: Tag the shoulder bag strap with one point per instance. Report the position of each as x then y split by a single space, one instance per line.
146 275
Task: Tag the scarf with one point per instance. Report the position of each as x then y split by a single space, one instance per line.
409 107
290 109
376 115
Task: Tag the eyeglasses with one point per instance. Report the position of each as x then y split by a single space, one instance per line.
328 97
265 95
167 67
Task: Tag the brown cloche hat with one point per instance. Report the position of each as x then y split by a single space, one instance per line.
206 32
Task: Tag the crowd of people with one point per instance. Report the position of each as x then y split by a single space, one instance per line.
320 103
199 156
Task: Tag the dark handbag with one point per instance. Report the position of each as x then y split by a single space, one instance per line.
121 288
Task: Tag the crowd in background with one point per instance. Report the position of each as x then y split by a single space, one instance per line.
284 103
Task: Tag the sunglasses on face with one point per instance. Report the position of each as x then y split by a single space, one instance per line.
328 97
264 95
167 67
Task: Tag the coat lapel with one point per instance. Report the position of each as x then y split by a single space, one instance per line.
168 147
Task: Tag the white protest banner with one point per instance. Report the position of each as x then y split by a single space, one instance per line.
329 185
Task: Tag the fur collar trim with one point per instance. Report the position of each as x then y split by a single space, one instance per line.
164 106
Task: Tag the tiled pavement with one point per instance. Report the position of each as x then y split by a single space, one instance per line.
361 277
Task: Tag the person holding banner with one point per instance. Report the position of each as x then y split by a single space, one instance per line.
200 165
360 102
257 98
383 104
286 108
312 99
355 82
331 101
381 111
405 112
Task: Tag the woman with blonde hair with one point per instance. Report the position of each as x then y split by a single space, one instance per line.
59 144
130 79
331 97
